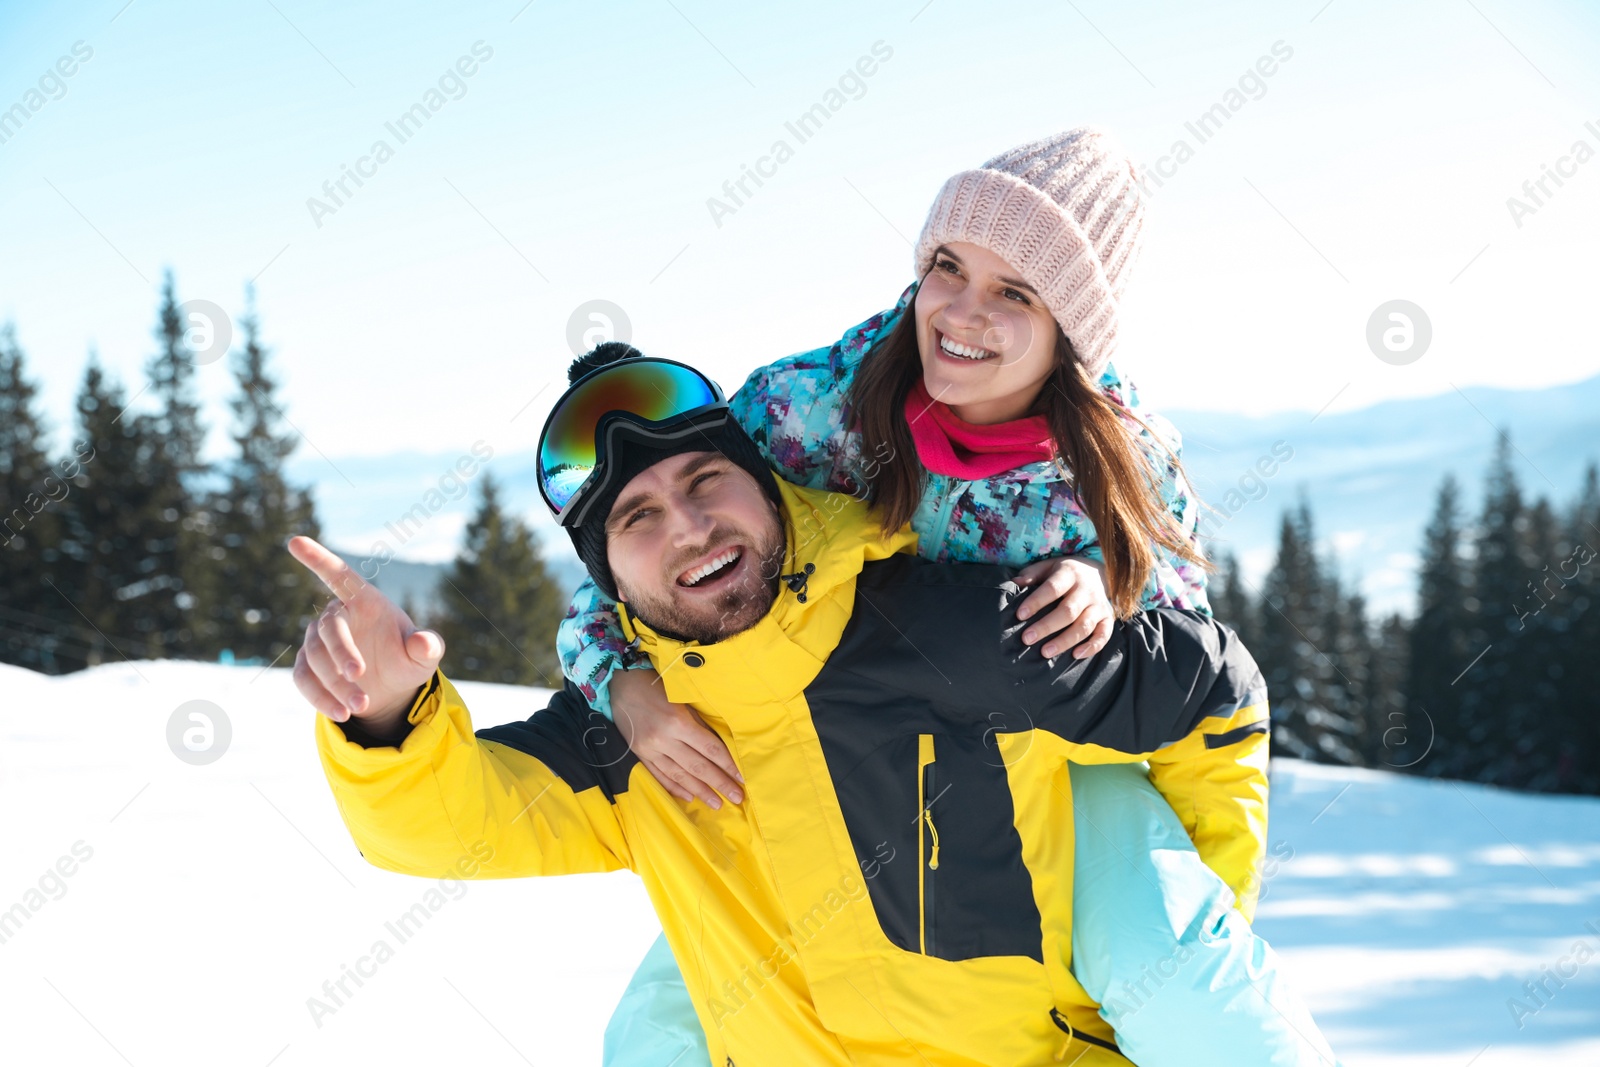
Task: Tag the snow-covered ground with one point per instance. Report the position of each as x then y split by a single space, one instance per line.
166 913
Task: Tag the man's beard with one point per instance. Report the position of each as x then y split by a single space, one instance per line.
733 610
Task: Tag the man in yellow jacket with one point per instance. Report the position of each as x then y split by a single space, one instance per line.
896 886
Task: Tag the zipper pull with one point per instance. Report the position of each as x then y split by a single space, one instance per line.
797 581
933 857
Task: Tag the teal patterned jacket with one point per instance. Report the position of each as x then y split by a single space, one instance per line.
795 411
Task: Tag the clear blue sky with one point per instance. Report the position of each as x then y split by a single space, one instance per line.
576 162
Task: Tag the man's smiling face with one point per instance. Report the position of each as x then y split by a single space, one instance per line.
695 546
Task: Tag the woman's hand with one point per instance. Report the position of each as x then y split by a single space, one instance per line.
680 750
1082 615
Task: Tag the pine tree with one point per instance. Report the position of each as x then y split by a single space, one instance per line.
174 437
499 605
1529 756
257 600
30 488
1231 603
1578 645
1290 650
1350 682
409 605
1342 684
1396 739
1438 640
1494 708
104 570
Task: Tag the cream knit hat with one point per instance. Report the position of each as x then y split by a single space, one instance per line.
1067 214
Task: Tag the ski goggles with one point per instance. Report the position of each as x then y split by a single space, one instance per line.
655 401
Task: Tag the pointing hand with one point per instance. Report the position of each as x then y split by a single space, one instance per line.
363 658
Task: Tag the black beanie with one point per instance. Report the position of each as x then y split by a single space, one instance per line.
730 439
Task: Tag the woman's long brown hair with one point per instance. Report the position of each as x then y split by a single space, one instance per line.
1115 478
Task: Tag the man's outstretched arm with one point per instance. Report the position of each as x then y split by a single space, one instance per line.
420 792
444 793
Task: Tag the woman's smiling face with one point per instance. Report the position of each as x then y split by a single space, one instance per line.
986 339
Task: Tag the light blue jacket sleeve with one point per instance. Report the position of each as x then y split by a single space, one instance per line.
590 645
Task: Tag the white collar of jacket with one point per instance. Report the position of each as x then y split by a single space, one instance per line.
778 657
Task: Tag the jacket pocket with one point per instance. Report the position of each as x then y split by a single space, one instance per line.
927 841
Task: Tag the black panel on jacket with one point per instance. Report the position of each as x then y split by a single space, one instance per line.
870 703
580 746
935 648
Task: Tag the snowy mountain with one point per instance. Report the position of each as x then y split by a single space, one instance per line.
1370 476
155 911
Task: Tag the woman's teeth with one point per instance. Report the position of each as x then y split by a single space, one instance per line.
962 351
695 576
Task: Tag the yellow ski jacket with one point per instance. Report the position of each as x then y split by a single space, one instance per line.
897 885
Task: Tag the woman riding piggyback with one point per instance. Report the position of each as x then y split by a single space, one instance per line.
984 410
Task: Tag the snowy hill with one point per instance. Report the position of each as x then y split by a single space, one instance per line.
180 914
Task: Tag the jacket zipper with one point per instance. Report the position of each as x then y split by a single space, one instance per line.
949 490
927 843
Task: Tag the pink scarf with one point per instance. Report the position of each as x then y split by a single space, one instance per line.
947 445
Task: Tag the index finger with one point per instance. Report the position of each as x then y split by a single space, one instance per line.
1058 586
711 747
335 573
1031 573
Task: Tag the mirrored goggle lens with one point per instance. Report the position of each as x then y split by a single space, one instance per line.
650 389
